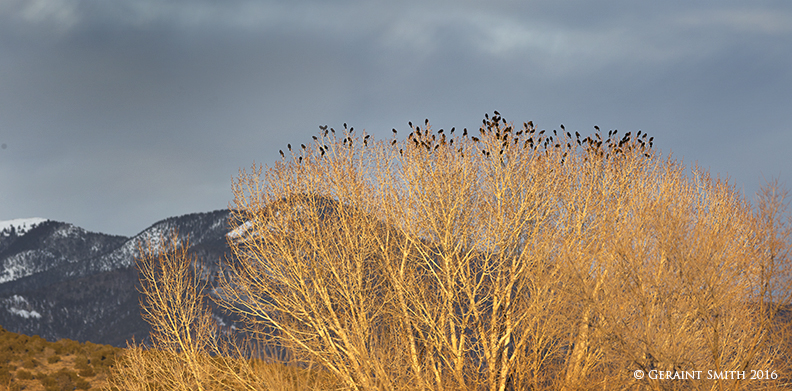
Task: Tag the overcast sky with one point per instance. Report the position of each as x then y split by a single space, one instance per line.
116 114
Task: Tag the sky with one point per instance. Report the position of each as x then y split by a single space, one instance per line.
117 114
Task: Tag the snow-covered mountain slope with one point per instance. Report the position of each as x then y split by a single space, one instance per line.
61 281
47 245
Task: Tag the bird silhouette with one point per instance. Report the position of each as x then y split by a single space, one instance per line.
289 146
596 127
281 152
394 131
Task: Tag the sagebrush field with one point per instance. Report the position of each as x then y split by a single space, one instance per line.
502 258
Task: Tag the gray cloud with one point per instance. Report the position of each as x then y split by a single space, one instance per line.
116 114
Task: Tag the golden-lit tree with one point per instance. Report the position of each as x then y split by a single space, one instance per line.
504 259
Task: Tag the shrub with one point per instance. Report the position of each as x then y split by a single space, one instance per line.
49 382
30 363
103 357
5 375
86 372
24 375
82 384
81 362
53 359
66 346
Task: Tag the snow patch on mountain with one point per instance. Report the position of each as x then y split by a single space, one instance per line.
20 225
240 230
20 265
16 301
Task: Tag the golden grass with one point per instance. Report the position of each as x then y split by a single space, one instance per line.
511 259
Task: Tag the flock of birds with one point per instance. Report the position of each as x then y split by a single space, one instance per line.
505 137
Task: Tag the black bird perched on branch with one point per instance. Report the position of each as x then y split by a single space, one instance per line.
303 146
289 146
394 131
596 127
281 152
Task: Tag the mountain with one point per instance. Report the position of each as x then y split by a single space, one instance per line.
61 281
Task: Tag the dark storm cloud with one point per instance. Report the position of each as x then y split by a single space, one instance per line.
116 114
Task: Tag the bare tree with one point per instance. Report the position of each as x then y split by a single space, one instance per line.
510 259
